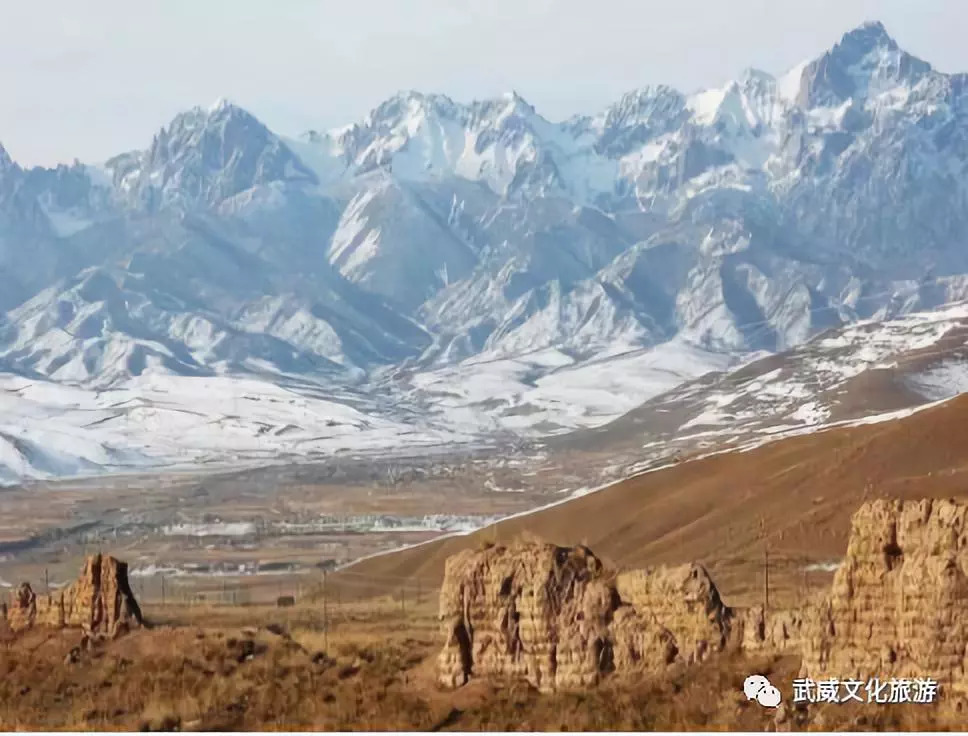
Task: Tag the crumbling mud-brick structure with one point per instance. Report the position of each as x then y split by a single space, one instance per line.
558 618
897 605
682 602
99 602
776 631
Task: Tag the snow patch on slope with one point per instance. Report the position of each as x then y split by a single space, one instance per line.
549 389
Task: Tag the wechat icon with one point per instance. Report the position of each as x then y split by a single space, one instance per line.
759 688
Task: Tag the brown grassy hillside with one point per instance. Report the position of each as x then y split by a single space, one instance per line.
795 495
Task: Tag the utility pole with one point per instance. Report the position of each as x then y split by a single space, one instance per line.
162 590
766 567
46 582
325 617
766 577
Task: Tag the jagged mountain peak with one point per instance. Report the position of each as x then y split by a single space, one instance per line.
865 62
753 76
868 36
515 97
409 103
514 102
5 161
640 115
868 42
651 91
403 113
220 104
644 100
506 110
413 104
204 156
420 137
220 113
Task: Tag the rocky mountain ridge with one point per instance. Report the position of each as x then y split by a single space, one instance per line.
743 217
435 235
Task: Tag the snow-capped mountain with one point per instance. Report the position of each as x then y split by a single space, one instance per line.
741 218
746 216
204 158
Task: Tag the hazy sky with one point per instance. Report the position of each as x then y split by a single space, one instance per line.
94 78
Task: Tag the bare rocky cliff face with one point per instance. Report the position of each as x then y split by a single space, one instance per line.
99 602
558 618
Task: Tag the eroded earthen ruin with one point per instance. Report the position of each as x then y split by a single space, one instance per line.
100 601
896 607
558 618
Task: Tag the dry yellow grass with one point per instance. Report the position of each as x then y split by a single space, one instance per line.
259 668
251 673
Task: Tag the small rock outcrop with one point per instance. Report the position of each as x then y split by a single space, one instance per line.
896 605
556 617
99 602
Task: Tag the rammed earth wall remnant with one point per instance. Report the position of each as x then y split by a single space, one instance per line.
531 610
897 605
558 618
779 630
100 601
681 600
